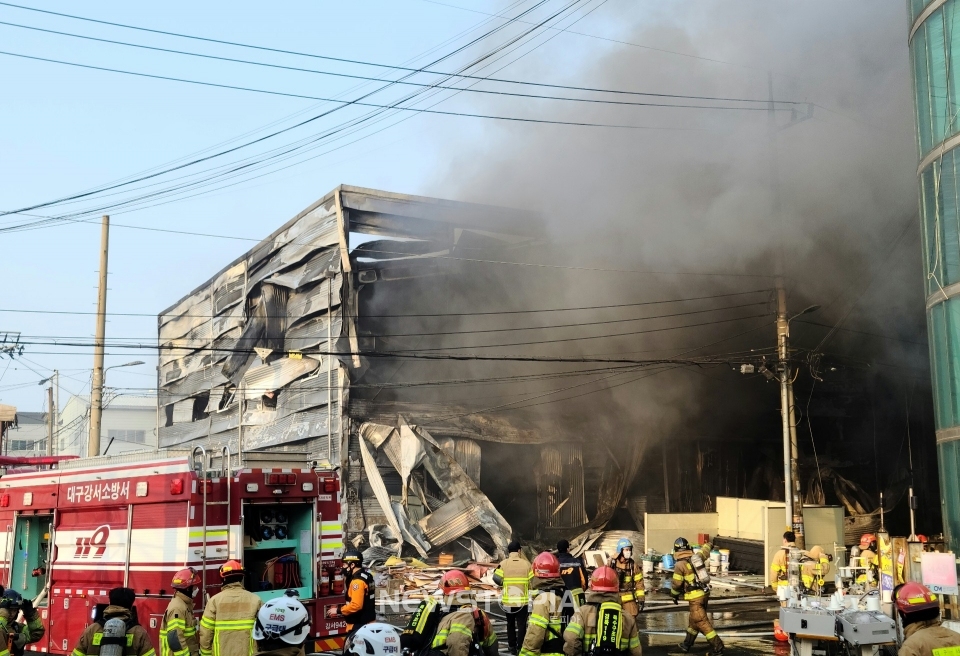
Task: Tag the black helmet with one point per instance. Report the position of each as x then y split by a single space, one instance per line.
11 599
353 556
681 544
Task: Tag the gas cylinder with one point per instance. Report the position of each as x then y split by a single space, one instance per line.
324 582
338 581
113 638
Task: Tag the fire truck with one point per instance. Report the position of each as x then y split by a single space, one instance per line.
133 520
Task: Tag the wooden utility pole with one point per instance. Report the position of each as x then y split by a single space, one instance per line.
96 390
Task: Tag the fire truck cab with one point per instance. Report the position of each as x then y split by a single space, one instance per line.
69 535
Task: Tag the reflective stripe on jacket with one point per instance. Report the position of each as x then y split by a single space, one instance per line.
631 579
516 573
544 626
581 634
924 638
178 629
684 579
226 628
781 561
137 642
459 630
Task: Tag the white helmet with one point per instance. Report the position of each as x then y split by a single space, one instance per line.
375 639
283 618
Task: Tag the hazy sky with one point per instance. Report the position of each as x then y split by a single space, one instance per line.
66 129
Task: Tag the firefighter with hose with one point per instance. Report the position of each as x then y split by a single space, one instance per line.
632 594
546 624
601 627
692 580
360 607
229 617
282 627
420 630
117 633
178 629
14 636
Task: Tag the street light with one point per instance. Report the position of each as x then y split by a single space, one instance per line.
812 308
96 400
129 364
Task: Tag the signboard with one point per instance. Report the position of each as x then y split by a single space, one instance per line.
939 572
886 566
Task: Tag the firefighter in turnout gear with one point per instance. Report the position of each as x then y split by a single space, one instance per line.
13 635
135 641
419 632
781 561
178 629
630 574
617 634
466 632
814 567
514 575
229 617
868 559
359 608
573 574
544 635
919 611
687 582
282 626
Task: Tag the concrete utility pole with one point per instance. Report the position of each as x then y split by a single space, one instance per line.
791 476
50 415
96 390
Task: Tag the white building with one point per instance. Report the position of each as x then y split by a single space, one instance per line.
129 423
28 437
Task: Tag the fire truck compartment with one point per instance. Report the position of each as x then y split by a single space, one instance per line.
279 544
31 554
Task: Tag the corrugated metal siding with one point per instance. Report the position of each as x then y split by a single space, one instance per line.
467 454
560 481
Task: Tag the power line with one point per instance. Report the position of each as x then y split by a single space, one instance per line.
388 66
419 84
415 315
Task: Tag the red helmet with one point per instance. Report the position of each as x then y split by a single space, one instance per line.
868 540
185 579
230 568
780 634
546 566
604 579
913 597
454 581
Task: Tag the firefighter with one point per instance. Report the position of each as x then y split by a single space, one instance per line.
466 632
602 607
178 629
632 594
919 611
814 567
686 581
229 617
281 627
545 627
419 632
359 608
870 577
136 640
514 575
781 561
13 633
572 573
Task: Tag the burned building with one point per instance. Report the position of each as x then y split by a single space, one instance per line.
323 340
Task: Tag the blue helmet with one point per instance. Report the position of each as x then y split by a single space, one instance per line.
623 543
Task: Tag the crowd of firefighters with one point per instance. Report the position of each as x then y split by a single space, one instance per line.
552 609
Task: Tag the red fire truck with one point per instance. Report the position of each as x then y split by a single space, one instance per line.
74 532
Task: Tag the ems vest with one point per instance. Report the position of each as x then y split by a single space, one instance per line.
609 631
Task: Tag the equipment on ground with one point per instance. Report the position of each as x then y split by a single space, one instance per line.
832 632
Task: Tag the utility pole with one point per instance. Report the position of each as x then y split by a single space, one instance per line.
96 390
791 476
50 415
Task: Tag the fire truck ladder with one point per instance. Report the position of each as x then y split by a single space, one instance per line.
205 471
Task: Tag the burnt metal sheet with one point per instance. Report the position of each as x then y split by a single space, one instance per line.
455 483
228 288
292 428
199 381
379 489
467 454
450 521
274 376
302 240
264 328
560 489
388 249
186 332
197 304
309 272
313 299
183 411
311 333
410 531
